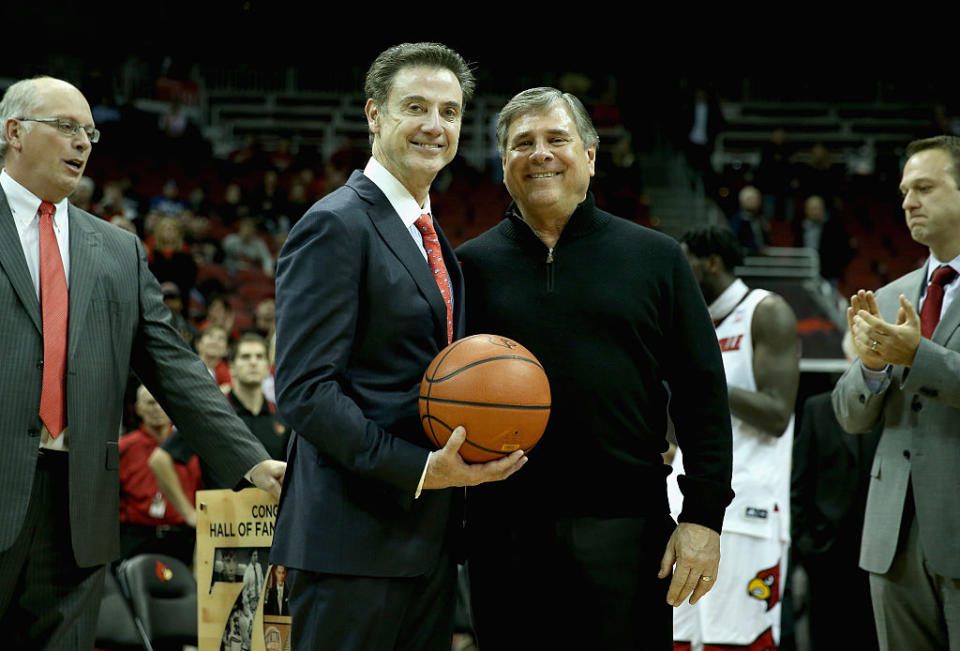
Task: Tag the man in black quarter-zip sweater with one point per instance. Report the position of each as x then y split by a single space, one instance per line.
569 552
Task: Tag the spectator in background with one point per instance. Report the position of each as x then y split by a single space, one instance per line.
174 300
198 203
174 121
113 202
267 199
704 120
831 474
148 524
818 175
233 207
82 196
748 223
265 318
245 249
281 158
170 258
249 369
212 344
169 201
298 201
826 235
220 313
775 175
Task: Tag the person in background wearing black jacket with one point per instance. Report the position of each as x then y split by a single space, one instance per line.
831 475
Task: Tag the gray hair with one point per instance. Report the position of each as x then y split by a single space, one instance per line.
384 69
536 100
20 100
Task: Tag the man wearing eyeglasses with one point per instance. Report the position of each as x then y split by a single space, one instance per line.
80 309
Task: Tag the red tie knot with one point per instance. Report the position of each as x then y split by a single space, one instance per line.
943 275
47 209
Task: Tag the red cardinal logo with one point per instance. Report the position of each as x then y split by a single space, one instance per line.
766 586
164 573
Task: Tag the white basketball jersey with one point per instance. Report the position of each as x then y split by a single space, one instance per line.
761 462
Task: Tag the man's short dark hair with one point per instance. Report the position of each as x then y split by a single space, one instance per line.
385 67
949 144
704 241
250 338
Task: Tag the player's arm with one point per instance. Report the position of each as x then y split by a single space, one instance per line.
161 464
776 351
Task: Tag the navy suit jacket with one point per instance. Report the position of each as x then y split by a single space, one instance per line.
359 319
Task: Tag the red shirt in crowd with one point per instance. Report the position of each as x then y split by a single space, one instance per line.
141 501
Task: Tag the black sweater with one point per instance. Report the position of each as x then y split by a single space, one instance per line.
615 316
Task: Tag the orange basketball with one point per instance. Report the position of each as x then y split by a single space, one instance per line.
492 386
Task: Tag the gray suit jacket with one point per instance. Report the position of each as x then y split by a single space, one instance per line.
920 443
117 322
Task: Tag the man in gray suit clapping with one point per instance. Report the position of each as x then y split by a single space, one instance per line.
908 378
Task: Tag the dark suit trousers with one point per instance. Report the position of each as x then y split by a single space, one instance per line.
353 613
574 583
46 601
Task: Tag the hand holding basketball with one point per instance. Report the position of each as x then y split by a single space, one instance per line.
492 386
446 468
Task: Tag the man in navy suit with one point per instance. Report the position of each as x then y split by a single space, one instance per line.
368 292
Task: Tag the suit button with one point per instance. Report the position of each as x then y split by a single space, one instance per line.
916 405
862 398
34 432
906 454
40 363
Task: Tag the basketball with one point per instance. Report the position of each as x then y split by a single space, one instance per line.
492 386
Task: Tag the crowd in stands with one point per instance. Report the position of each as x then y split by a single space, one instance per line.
820 199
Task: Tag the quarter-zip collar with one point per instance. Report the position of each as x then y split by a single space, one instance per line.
584 220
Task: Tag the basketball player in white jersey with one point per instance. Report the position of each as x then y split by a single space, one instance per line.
757 332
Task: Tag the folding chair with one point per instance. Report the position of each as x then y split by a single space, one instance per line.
163 596
116 629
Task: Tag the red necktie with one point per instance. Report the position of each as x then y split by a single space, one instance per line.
53 306
932 305
435 259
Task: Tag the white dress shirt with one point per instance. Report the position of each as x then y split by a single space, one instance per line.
25 207
400 198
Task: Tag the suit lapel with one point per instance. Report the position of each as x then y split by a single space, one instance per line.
14 263
397 238
84 248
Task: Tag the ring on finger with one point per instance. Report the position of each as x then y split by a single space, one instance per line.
874 344
706 579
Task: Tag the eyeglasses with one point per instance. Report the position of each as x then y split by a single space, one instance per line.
68 127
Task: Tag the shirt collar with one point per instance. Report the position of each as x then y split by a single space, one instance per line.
934 263
728 299
25 205
399 197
